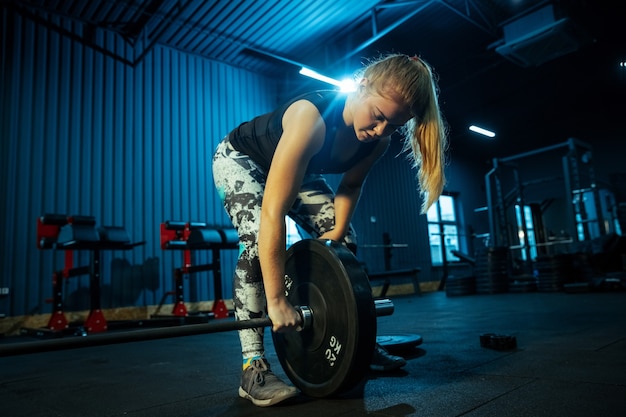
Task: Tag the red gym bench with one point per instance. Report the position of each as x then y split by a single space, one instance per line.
188 237
73 233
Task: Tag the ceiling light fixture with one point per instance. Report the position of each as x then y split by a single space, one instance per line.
346 85
482 131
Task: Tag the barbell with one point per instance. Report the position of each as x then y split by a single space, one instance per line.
332 349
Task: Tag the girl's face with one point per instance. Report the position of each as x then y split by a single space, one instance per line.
375 116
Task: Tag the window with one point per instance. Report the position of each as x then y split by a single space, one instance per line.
443 230
528 240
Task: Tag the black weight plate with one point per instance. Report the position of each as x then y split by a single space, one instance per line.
398 342
333 354
498 342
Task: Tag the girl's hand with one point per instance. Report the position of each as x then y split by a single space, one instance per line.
284 316
332 235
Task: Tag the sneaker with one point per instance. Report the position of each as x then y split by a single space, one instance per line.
262 387
384 361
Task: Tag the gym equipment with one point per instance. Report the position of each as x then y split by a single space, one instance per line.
188 237
549 211
395 343
457 286
387 274
498 341
539 212
577 175
73 233
342 343
387 247
330 354
553 271
492 270
4 291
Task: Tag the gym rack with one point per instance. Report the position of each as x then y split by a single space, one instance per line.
188 237
70 234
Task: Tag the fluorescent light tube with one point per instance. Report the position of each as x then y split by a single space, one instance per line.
346 85
482 131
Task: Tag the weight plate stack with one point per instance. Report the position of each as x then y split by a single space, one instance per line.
456 286
523 284
333 354
582 269
552 272
491 270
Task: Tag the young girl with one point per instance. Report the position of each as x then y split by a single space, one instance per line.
272 166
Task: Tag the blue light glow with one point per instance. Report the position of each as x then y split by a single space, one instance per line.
482 131
347 85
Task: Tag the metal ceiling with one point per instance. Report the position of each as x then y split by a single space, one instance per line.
254 34
334 36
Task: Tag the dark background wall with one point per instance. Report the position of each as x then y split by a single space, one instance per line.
84 132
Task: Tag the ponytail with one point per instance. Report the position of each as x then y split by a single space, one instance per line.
426 133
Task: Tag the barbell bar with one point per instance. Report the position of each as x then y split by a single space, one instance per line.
331 353
384 307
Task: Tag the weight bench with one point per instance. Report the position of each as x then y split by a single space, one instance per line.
72 233
188 237
386 276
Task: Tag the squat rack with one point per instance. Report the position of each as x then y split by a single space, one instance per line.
578 177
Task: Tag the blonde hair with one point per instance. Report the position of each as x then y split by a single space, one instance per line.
411 80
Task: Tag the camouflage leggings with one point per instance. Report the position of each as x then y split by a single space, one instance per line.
240 183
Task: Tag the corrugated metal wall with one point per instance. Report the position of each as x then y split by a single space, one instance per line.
392 205
84 133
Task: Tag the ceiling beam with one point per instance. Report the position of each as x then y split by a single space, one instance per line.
491 29
376 36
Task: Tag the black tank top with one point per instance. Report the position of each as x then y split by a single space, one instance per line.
259 137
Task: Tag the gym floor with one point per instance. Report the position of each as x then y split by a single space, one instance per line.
570 360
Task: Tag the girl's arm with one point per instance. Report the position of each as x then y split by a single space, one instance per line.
303 136
349 192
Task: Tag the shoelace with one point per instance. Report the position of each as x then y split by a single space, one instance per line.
259 372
